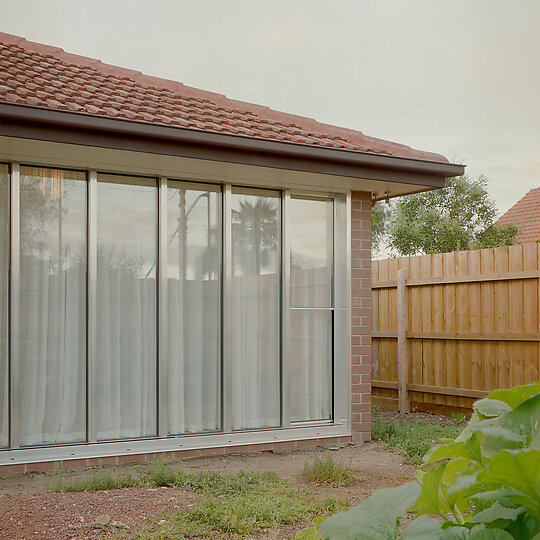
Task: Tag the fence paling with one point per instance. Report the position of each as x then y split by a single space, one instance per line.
471 325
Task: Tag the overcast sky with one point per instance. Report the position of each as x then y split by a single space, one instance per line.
461 78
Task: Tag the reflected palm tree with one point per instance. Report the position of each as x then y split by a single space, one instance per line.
255 230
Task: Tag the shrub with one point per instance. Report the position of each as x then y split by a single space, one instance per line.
485 485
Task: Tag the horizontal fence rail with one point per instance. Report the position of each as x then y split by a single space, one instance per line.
449 328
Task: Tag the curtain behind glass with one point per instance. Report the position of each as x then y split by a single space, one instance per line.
4 303
126 307
50 372
256 262
310 364
194 308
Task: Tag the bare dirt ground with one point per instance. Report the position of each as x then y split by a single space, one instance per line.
28 511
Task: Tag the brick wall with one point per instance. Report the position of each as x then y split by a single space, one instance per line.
361 316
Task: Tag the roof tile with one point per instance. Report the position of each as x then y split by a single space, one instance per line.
32 74
526 215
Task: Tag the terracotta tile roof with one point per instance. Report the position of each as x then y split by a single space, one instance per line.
526 215
44 76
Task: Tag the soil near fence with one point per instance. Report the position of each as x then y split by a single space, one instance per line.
27 510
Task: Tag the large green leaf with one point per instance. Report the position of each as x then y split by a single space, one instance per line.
524 419
433 498
377 518
422 528
491 407
469 448
517 395
514 476
490 534
496 512
519 469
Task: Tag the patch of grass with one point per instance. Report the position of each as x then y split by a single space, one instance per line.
232 504
329 471
243 504
410 438
96 480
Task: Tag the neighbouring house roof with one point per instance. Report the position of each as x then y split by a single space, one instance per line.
526 215
45 88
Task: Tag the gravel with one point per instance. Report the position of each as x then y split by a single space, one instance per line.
84 515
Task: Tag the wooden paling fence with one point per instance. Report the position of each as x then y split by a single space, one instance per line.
448 328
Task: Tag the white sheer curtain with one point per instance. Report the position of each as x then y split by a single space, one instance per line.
194 308
310 365
126 346
4 303
311 318
256 245
50 371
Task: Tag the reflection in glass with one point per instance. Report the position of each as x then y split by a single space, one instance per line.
4 303
193 292
126 307
310 364
311 226
51 367
255 308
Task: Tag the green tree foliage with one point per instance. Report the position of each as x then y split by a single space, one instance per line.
458 217
484 485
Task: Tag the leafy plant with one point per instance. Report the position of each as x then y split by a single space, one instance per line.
329 471
484 485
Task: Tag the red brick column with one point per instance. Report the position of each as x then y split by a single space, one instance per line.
361 316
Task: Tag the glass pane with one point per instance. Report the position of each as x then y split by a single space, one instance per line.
310 359
51 368
311 252
194 308
126 307
255 308
4 302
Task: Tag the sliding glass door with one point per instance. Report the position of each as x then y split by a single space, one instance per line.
4 305
126 341
255 319
49 374
312 302
193 363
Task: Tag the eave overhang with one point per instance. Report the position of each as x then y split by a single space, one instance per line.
37 123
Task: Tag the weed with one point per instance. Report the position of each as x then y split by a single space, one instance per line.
458 418
328 470
411 438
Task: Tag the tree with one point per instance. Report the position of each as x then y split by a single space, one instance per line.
255 233
458 217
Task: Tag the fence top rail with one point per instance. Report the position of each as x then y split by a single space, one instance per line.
449 280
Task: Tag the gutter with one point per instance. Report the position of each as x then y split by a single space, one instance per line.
75 128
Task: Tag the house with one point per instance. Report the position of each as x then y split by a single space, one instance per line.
525 214
180 272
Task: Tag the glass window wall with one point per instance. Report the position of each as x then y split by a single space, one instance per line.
140 386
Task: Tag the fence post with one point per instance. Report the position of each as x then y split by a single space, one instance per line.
403 351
